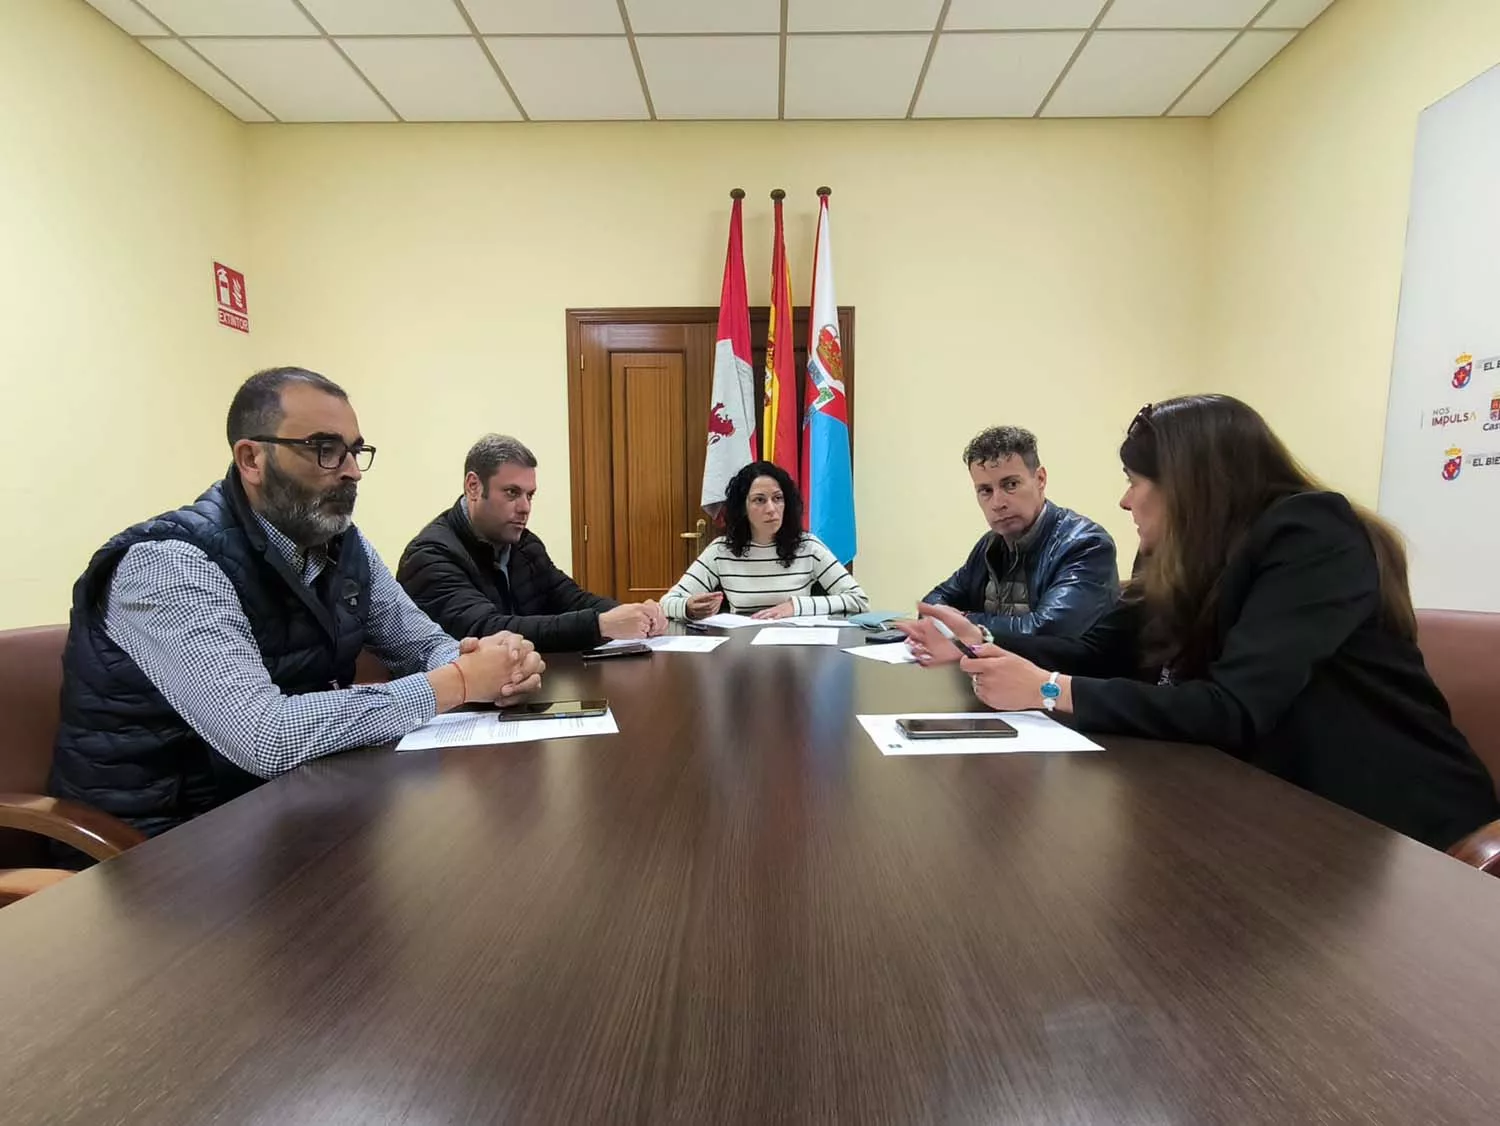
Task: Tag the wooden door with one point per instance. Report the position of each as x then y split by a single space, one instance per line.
639 400
639 382
648 437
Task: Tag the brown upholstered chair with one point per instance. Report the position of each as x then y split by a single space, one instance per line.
30 683
1459 648
30 680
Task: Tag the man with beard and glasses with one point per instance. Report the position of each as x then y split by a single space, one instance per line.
214 647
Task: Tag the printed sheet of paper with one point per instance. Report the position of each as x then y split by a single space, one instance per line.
891 654
475 729
728 621
677 643
795 635
1035 734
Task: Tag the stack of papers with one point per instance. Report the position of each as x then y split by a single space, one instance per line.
682 643
476 729
728 621
1035 733
792 635
815 620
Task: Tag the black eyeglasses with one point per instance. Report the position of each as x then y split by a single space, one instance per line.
331 452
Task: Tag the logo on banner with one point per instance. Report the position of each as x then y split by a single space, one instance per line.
1454 464
1495 407
1466 365
1447 416
234 311
1464 371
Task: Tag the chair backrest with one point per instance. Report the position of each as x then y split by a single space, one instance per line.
30 685
30 690
1459 648
370 669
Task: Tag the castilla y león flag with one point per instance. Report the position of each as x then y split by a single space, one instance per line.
731 412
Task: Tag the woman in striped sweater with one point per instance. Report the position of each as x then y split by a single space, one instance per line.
765 564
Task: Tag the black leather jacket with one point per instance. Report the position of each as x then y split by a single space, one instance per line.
1070 570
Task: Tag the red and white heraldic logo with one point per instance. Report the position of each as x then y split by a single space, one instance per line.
233 310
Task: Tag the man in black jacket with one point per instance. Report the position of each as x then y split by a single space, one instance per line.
477 565
1041 569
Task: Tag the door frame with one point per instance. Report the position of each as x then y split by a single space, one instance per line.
577 319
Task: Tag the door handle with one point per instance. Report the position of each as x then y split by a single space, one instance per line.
698 535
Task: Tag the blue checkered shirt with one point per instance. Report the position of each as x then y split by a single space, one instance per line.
178 617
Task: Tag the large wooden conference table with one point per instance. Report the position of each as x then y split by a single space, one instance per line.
738 911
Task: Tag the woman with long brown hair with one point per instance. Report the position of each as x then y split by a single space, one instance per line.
1269 617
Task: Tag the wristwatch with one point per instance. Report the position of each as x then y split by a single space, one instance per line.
1050 692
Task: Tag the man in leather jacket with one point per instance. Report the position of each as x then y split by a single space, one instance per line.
1041 568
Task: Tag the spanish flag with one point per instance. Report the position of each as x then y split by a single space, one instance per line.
780 430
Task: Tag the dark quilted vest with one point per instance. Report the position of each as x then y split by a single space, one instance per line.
120 746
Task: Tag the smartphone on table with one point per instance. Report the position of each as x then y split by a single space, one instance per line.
556 709
604 652
967 727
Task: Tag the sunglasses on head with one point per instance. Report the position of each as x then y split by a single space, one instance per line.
1142 417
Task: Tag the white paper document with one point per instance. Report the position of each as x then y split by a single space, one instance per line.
1035 733
891 653
793 635
728 621
681 643
474 729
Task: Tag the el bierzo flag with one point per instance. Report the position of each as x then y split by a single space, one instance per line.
827 470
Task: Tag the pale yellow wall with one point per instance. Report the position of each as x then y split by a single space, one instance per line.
119 185
1310 178
1050 274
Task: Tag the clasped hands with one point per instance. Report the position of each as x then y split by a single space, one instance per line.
499 668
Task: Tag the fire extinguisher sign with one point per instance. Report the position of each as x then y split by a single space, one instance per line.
230 286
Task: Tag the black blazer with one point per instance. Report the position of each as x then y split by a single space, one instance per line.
1303 682
450 573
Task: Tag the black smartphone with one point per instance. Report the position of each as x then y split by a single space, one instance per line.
885 637
634 649
976 727
698 627
556 709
